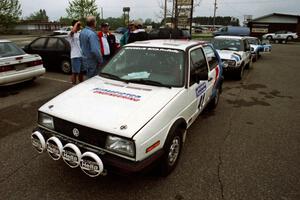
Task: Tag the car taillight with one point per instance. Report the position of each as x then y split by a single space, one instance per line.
35 63
6 68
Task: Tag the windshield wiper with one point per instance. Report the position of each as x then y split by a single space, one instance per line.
112 76
149 82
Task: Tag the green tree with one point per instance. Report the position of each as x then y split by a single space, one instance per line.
66 21
80 9
10 11
39 15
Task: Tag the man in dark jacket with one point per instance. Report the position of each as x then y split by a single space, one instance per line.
138 33
107 41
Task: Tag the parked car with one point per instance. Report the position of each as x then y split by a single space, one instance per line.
235 52
136 113
281 35
55 51
17 66
233 31
257 47
169 33
63 31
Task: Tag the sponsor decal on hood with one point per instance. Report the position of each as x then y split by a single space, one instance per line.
117 94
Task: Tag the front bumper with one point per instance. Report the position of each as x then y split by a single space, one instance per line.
111 163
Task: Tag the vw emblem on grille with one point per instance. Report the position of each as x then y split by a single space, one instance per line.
75 132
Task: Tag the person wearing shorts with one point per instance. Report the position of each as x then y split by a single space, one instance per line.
76 55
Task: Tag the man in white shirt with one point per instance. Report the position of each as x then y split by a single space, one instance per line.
76 55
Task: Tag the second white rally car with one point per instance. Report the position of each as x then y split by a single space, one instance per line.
136 112
235 53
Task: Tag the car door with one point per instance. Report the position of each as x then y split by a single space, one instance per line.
214 71
38 47
52 52
198 81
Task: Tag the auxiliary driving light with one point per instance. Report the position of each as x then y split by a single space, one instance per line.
91 164
54 148
71 155
38 141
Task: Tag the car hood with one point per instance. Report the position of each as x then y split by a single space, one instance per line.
108 105
230 55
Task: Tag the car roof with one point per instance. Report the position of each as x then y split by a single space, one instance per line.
249 37
4 41
229 37
167 43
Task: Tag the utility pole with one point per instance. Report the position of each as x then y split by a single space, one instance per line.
215 10
165 14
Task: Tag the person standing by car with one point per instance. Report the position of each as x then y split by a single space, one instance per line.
76 56
124 39
107 42
138 33
90 46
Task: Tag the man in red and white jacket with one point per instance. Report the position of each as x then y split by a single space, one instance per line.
108 43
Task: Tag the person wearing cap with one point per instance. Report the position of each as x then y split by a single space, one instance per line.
137 33
124 39
107 41
90 47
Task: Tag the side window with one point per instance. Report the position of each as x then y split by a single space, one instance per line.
211 57
198 65
60 45
52 44
38 44
246 45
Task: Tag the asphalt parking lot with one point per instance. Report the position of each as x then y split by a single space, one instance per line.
248 148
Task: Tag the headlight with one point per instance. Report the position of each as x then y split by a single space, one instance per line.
46 120
120 145
231 63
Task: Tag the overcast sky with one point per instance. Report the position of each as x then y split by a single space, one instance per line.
149 8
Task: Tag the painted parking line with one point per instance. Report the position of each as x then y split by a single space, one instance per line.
55 79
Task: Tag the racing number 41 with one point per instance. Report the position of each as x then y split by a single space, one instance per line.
201 102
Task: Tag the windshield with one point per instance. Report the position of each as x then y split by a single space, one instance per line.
227 44
253 41
164 67
10 49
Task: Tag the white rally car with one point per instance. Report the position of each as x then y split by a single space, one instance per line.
235 53
281 35
257 47
17 66
135 113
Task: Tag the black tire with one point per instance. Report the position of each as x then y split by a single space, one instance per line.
66 67
269 37
289 38
214 102
249 64
239 73
255 57
172 149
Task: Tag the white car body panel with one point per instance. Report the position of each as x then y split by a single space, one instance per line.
108 112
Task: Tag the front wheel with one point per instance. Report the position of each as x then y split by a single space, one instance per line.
172 153
239 73
66 67
269 37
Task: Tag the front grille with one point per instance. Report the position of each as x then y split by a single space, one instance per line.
86 134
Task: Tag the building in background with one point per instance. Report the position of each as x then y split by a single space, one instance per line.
36 25
274 22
